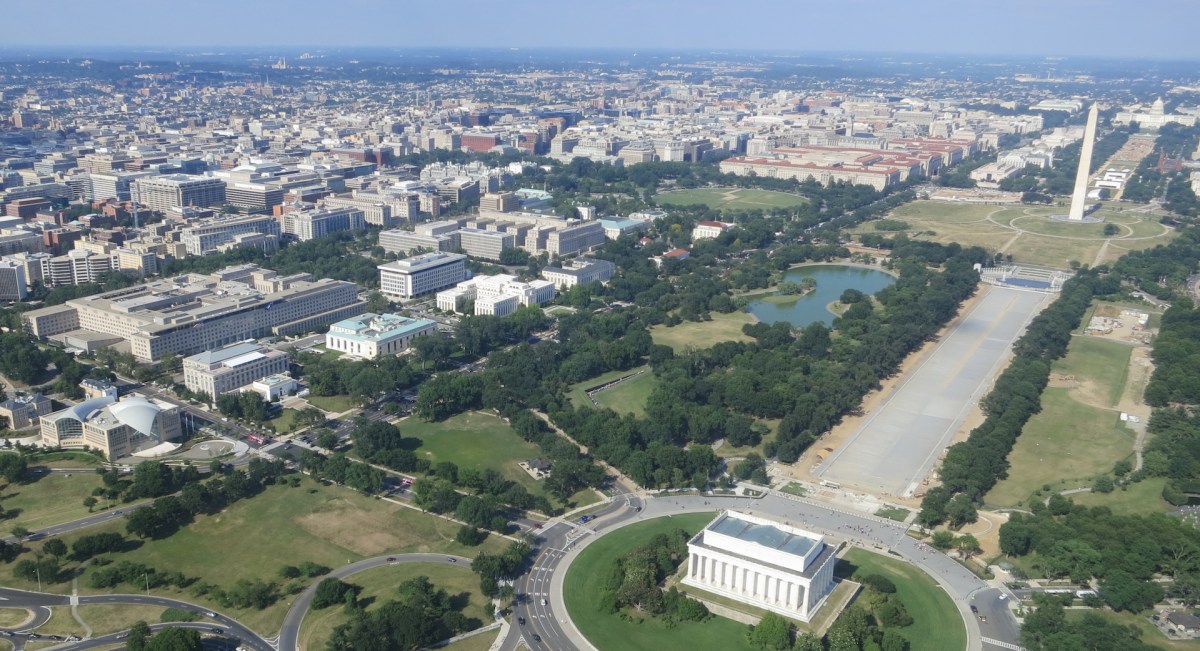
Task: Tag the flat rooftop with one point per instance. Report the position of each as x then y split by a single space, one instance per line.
765 535
229 354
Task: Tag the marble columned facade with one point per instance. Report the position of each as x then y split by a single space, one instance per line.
762 564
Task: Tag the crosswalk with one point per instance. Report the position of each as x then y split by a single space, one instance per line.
1002 644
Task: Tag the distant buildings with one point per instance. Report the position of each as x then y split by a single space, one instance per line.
761 563
314 224
422 274
227 369
614 228
1155 117
116 428
371 336
498 295
488 235
14 285
162 193
580 271
206 236
709 230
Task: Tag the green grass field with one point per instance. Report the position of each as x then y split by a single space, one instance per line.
621 399
379 587
10 617
1045 242
105 618
937 625
730 198
629 397
285 421
1105 364
1065 445
703 334
1150 634
894 513
332 404
480 440
254 538
51 499
1137 499
611 633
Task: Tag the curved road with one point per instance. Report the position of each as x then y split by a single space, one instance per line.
558 633
289 634
232 628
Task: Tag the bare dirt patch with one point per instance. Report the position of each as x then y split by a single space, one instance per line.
357 531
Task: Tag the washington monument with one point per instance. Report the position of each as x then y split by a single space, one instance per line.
1079 197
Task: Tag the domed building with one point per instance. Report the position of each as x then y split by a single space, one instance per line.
118 428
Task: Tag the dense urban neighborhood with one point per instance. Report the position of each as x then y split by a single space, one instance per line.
351 349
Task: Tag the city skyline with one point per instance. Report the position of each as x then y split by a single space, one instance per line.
1160 29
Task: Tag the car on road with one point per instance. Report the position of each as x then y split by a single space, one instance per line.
537 525
34 636
120 636
391 559
209 613
56 638
543 601
520 620
983 619
974 610
218 631
6 633
451 559
584 518
537 638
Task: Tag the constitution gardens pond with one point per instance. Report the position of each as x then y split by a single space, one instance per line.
831 280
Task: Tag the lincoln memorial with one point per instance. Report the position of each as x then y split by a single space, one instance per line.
762 563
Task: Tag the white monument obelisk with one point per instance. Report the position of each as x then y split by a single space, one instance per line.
1079 197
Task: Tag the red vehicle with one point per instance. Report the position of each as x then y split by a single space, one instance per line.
257 439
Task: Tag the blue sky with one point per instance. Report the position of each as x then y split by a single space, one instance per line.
1124 29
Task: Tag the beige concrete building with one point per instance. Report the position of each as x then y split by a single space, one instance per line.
115 428
24 411
215 372
162 193
422 274
191 313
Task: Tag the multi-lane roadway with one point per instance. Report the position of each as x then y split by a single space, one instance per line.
230 628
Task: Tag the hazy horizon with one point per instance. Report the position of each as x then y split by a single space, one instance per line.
1158 29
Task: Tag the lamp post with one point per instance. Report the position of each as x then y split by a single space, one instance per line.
38 570
147 576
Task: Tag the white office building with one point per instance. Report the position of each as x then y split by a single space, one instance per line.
371 336
498 295
580 271
763 564
208 235
315 224
422 274
162 193
227 369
